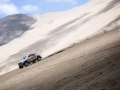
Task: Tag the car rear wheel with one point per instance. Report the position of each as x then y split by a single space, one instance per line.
38 58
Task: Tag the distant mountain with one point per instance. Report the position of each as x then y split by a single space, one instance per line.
14 26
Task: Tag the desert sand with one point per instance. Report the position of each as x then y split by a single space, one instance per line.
80 49
49 33
90 65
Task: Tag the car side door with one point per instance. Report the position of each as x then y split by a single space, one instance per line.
29 57
34 56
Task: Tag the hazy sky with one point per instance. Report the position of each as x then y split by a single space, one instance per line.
9 7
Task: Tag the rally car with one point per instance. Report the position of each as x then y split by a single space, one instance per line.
29 59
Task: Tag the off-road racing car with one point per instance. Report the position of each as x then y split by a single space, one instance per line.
29 59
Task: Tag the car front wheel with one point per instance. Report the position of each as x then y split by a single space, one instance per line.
26 64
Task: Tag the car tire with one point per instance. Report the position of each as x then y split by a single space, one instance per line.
26 64
38 58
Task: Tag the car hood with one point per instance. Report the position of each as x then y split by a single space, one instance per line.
22 60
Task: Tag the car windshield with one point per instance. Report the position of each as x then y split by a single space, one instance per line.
25 57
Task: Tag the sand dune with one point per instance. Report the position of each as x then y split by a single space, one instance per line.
55 31
90 65
80 47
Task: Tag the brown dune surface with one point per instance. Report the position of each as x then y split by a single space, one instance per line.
80 49
49 33
90 65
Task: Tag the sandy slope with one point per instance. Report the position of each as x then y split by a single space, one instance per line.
55 31
90 65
